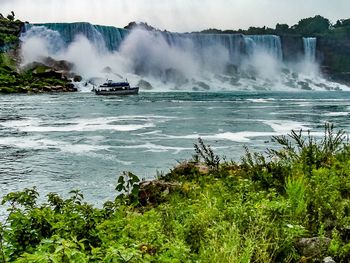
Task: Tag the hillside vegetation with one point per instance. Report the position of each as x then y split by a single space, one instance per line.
292 206
37 77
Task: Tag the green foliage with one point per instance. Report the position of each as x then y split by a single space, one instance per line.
205 153
255 211
295 191
342 23
282 28
312 25
308 151
128 186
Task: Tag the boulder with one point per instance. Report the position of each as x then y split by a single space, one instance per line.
328 260
63 65
231 70
203 85
175 76
155 192
145 85
71 87
310 247
77 78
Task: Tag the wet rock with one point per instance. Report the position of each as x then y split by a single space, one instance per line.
304 85
231 69
175 76
58 64
313 246
234 81
107 70
203 85
71 87
222 78
328 260
77 78
145 85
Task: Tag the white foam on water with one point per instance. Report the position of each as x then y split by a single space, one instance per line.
278 128
285 126
261 100
43 144
87 127
26 142
242 136
94 124
151 147
22 123
155 132
334 114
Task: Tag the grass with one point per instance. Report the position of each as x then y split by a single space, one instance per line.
254 211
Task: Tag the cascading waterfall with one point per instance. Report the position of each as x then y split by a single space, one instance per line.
179 61
111 38
101 36
310 49
267 43
231 42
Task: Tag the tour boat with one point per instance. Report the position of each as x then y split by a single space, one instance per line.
116 88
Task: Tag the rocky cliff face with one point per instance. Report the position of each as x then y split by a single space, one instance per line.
332 53
292 48
334 57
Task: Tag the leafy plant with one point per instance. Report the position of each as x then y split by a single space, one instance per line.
309 151
205 153
128 186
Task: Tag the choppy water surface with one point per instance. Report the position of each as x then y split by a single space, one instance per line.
67 141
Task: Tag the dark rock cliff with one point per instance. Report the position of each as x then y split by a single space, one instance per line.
334 57
292 48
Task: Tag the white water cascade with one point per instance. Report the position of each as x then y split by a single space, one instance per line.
270 44
163 61
310 49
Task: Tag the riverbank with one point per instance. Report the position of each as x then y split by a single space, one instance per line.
289 207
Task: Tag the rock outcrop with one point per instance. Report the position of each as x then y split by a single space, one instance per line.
334 56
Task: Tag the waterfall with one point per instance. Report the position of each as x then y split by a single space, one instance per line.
110 38
201 42
103 37
270 44
310 48
179 61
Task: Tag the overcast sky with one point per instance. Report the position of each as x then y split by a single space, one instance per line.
177 15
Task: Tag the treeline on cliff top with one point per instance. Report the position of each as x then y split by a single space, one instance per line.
312 26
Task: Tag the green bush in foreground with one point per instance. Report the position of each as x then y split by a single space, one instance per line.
205 210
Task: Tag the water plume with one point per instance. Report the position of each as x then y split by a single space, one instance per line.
172 61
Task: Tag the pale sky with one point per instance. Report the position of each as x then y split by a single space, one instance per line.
177 15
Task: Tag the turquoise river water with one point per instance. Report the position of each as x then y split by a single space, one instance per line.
60 142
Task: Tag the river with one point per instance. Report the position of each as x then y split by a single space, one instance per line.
60 142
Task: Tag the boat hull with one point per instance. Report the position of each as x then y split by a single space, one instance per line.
130 91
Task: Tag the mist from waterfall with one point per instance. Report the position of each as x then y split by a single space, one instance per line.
171 61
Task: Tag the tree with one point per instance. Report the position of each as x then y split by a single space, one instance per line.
11 16
312 25
282 28
342 23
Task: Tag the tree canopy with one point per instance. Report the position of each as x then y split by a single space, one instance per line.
312 25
